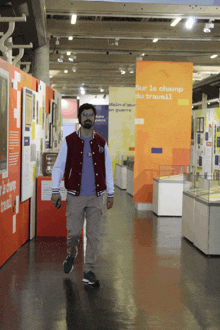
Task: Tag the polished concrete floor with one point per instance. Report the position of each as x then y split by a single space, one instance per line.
150 278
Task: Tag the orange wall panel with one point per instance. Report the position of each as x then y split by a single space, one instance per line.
49 96
10 242
164 105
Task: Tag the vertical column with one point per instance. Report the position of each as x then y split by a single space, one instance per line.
40 64
204 101
8 54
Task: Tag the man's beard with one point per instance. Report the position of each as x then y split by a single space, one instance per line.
87 125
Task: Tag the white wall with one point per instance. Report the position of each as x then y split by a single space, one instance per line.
94 99
68 129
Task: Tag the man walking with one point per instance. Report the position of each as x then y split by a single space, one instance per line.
85 163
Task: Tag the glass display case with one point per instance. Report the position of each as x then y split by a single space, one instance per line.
172 172
209 190
205 188
121 171
121 160
130 163
124 172
191 183
200 219
168 184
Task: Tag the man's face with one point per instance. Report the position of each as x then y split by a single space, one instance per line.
87 118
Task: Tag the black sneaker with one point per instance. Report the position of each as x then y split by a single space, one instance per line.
68 264
89 278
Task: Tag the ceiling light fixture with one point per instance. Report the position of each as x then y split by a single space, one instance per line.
155 40
190 22
116 41
101 90
65 71
176 21
214 56
71 58
57 42
60 59
131 71
68 53
73 19
206 30
208 27
82 88
70 38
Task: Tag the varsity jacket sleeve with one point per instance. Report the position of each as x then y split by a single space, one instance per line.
108 173
59 168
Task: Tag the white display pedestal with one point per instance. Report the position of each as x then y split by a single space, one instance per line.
207 227
167 197
188 216
201 223
130 181
121 176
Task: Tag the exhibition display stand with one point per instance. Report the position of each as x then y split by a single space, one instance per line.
121 176
49 220
188 215
168 191
201 220
124 173
130 181
130 175
207 226
192 185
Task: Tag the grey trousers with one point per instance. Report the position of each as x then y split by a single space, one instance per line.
76 208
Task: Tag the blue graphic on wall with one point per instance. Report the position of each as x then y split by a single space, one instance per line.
101 123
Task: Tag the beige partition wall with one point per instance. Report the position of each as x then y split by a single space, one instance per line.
121 122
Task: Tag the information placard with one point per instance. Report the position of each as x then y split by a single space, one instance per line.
46 190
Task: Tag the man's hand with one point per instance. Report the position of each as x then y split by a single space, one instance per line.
109 202
54 198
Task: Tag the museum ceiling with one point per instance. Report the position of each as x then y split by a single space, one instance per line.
108 38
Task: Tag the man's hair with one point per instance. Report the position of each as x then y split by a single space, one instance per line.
85 106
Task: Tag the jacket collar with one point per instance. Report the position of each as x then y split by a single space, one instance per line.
79 133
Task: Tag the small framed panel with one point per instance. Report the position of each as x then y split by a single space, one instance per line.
4 122
200 124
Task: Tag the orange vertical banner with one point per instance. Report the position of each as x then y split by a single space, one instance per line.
163 110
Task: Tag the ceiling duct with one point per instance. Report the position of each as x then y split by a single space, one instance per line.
34 29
